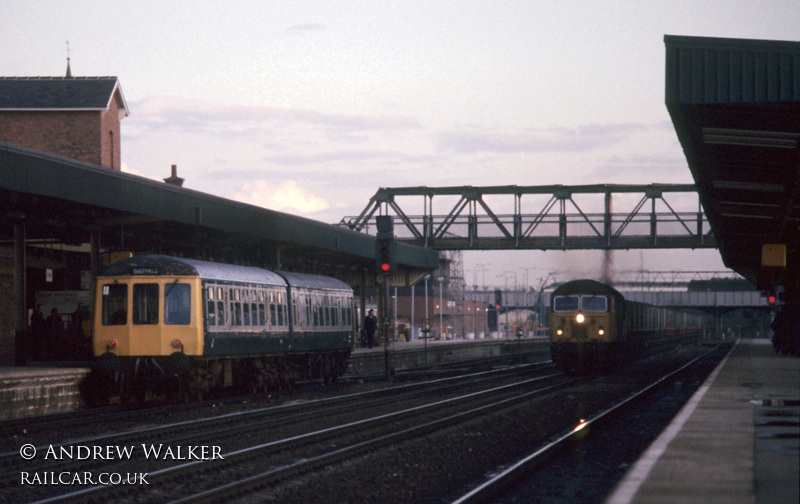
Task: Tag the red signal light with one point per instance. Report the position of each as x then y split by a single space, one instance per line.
772 299
498 307
385 267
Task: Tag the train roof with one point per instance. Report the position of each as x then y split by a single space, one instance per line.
314 281
168 265
586 287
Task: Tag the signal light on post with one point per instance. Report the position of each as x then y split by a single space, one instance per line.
385 246
385 256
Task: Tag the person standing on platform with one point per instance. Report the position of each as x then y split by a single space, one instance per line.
370 326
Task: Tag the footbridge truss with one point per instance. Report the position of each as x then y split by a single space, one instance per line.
542 217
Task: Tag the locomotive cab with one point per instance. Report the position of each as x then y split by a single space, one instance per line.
148 316
583 326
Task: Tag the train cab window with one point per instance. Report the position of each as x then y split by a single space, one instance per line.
597 304
115 304
145 304
566 303
177 304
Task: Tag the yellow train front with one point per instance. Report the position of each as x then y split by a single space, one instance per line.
584 326
594 328
184 327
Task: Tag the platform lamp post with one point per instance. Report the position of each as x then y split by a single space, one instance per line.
479 268
426 325
440 279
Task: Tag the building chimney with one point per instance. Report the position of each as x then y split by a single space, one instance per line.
174 179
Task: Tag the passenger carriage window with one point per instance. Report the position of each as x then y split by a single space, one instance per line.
594 304
115 304
254 307
236 307
262 313
280 314
177 304
246 310
211 307
566 303
221 313
145 304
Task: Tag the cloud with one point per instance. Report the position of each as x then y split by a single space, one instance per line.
285 196
307 27
160 111
581 139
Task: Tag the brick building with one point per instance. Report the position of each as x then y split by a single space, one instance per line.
75 117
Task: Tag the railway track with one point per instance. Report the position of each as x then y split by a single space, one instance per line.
524 480
226 429
414 442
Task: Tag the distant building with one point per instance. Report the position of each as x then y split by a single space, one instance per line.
75 117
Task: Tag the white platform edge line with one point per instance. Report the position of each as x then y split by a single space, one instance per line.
626 490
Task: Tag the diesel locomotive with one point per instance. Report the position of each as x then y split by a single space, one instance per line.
594 328
184 328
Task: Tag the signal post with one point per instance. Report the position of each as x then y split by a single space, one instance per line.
386 265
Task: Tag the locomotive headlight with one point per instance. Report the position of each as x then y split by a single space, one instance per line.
559 331
579 318
601 331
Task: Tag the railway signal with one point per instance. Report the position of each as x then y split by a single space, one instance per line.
385 246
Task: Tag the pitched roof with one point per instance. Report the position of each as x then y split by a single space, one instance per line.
60 93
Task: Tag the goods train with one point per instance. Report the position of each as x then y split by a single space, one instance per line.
593 327
182 327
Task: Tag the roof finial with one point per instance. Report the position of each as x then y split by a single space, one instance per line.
69 72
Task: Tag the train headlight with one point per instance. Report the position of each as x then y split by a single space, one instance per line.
579 318
601 331
559 331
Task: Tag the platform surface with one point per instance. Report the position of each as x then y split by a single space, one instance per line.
737 441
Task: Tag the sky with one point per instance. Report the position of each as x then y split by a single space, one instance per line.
309 107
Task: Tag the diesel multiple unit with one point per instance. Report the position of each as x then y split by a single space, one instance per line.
187 327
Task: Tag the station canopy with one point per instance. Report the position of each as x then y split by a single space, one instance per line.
63 202
735 105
